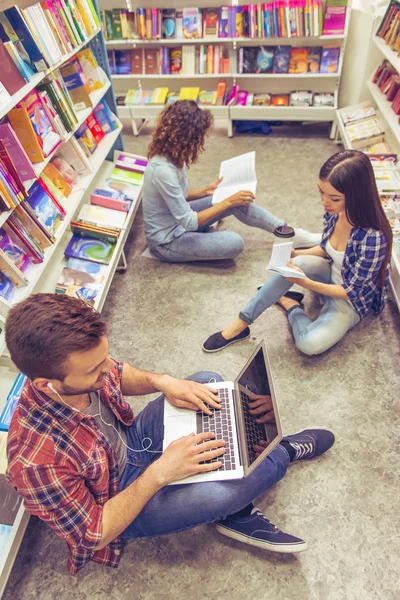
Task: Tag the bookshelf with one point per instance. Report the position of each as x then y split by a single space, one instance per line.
43 276
254 83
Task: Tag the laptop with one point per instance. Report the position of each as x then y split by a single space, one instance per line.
233 422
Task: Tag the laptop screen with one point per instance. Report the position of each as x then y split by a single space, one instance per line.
256 395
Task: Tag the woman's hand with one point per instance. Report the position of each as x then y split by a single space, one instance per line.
295 279
293 253
210 189
239 199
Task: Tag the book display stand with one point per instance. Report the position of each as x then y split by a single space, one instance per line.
257 83
43 276
389 123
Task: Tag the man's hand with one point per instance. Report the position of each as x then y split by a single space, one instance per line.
184 393
184 457
239 199
210 189
295 279
261 408
260 447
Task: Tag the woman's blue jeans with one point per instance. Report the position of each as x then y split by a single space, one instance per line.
178 507
215 245
311 337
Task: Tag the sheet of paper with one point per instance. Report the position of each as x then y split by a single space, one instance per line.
280 254
224 192
287 272
238 170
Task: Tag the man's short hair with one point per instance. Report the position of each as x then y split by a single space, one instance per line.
43 330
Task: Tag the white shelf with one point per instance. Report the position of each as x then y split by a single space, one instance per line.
9 553
72 204
82 115
38 77
173 76
286 113
271 41
385 108
387 52
293 76
151 111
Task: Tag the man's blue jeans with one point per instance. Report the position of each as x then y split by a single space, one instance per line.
178 507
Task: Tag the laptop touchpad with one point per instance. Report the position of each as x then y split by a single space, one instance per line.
177 427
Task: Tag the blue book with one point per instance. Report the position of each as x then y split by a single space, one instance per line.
12 401
44 208
91 249
281 59
123 62
105 117
6 287
22 30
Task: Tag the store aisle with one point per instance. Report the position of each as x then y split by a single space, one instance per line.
345 504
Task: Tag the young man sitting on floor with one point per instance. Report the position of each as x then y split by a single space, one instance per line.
84 464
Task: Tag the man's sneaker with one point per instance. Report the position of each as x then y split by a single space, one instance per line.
310 443
217 342
257 531
284 231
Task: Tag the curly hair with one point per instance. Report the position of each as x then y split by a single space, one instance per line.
180 133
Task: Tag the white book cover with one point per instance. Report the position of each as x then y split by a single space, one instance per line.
239 174
279 259
103 217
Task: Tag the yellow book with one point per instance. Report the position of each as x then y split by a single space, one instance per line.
84 16
129 97
91 69
160 95
24 131
6 196
191 93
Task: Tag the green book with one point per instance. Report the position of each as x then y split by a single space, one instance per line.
116 24
94 12
127 176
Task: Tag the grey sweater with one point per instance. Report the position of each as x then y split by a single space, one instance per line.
167 214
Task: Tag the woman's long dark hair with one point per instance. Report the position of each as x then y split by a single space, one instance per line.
350 173
180 133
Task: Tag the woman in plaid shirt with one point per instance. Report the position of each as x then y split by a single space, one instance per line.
350 268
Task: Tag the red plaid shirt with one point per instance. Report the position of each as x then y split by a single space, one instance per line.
66 470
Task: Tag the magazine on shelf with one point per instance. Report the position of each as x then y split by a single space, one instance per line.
280 257
239 173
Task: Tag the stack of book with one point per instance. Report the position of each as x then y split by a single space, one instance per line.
387 176
389 29
388 81
39 36
188 60
290 18
98 227
285 59
362 127
10 501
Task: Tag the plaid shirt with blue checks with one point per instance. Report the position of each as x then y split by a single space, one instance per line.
364 256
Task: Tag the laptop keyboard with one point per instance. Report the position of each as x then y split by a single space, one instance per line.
220 423
254 431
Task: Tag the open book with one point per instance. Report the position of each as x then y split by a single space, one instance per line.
279 259
238 174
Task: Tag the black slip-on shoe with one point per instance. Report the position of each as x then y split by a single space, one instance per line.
217 342
284 231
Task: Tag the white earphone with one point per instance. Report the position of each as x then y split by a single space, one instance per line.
144 449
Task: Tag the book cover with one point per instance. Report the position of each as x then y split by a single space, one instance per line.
101 216
189 93
301 98
85 139
14 252
44 208
211 22
47 137
160 95
129 191
175 60
116 26
15 228
123 62
314 59
281 59
179 24
264 59
105 117
56 183
131 161
109 200
232 95
93 73
95 128
335 17
10 76
168 22
24 35
206 98
150 61
280 100
86 248
330 60
137 61
75 86
7 291
224 21
192 23
25 132
10 172
298 60
125 176
11 271
262 99
248 64
84 273
111 61
326 99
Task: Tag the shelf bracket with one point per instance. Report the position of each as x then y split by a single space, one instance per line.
122 259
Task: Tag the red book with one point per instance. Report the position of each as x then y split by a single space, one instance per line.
137 61
10 77
95 128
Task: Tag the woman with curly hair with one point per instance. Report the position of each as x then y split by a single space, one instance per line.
177 219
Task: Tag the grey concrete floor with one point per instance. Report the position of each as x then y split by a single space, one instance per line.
345 504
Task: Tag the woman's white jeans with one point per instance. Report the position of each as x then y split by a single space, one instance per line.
336 318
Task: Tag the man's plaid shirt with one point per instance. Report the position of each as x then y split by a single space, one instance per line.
66 470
